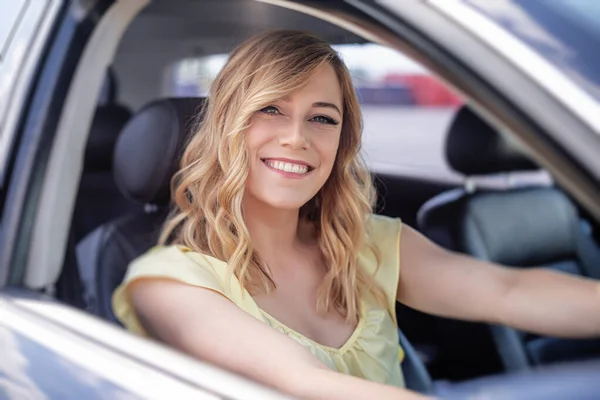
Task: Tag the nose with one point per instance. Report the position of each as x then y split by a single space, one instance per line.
294 136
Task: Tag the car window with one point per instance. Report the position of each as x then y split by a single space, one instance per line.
406 110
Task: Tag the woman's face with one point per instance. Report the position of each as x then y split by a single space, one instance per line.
293 143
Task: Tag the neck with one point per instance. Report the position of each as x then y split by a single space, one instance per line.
274 232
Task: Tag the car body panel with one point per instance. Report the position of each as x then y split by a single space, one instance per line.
83 353
31 370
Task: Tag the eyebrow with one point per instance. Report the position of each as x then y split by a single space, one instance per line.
323 104
318 104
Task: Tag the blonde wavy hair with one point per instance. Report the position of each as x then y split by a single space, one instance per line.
209 187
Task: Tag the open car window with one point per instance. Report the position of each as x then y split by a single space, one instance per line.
406 110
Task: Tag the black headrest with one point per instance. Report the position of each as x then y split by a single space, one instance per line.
108 122
473 147
149 148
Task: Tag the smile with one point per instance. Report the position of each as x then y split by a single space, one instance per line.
287 167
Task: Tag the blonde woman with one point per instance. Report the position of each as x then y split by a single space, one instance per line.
273 265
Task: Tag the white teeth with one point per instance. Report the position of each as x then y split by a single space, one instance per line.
288 167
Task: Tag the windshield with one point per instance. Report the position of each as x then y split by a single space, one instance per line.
564 32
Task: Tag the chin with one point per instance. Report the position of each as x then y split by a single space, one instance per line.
285 203
276 198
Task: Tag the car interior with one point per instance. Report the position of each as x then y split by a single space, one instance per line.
492 210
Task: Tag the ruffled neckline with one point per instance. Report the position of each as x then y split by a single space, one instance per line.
368 320
287 330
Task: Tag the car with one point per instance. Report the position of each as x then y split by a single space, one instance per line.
484 136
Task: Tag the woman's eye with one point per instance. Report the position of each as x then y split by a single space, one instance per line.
321 119
270 110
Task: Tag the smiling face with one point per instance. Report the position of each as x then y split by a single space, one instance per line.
293 142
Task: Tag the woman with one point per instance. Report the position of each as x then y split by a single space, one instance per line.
273 265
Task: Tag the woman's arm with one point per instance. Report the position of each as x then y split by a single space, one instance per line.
205 324
449 284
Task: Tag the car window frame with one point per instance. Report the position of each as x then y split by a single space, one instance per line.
21 55
34 132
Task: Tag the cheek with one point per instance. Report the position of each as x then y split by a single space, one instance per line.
328 147
253 137
258 133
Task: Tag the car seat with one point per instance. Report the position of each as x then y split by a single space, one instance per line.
98 199
523 226
146 156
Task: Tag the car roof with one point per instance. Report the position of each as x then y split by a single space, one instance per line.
216 26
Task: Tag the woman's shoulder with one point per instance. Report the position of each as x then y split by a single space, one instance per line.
383 234
179 263
176 253
381 227
173 263
384 264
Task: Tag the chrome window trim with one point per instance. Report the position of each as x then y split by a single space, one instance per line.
541 71
18 67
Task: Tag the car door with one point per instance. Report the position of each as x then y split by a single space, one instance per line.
50 350
56 71
40 53
25 27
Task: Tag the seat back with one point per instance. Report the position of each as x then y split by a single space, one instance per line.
522 227
98 199
146 157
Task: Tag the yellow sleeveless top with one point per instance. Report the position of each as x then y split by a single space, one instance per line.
372 352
